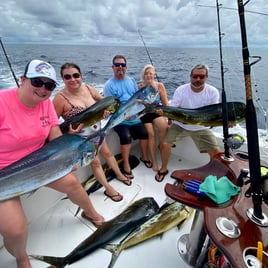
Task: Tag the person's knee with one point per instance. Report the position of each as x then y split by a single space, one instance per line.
96 163
17 231
151 134
69 184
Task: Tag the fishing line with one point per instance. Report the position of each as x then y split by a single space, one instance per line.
9 64
147 51
230 8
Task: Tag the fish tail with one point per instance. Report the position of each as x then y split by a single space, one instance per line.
115 249
188 213
56 262
148 107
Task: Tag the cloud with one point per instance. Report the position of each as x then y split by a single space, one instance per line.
116 22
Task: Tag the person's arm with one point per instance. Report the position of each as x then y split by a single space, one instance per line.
54 133
107 89
163 94
94 92
58 103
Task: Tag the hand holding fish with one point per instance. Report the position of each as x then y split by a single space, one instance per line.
74 130
159 112
106 113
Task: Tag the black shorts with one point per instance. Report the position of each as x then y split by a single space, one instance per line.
149 117
128 132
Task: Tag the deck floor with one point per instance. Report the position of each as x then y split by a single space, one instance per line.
56 232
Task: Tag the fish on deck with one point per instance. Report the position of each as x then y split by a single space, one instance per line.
51 162
210 115
92 114
169 217
134 215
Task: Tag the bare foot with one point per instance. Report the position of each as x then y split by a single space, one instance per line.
155 168
127 181
25 263
96 220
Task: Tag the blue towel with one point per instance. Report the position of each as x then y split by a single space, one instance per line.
219 190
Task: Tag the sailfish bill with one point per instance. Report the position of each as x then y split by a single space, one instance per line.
51 162
210 115
92 114
134 215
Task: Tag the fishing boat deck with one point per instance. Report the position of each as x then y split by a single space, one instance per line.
54 230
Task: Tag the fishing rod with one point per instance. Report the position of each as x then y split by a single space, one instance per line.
9 64
255 190
147 51
223 95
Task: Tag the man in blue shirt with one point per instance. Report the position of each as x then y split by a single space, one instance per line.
123 87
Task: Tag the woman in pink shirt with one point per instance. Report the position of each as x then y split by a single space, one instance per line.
27 121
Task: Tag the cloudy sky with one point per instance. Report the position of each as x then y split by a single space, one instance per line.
177 23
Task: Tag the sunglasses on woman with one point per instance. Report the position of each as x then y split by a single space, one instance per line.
36 82
69 76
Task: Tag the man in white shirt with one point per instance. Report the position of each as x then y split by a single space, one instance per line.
192 95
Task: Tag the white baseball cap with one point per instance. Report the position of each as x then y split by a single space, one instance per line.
38 68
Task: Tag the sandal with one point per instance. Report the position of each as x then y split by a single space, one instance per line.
113 197
127 174
127 182
96 223
161 175
147 163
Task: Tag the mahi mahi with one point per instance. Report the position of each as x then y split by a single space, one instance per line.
51 162
92 114
134 106
169 217
210 115
134 215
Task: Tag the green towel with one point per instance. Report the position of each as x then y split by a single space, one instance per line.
219 190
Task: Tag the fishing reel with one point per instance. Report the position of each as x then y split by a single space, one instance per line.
234 141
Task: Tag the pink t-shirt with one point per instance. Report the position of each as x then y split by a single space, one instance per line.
23 130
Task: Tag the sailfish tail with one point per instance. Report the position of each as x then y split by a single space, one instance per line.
56 262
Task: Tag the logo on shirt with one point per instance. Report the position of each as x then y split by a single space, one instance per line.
45 121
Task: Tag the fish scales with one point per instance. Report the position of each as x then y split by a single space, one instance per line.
132 216
51 162
133 106
92 114
163 221
210 115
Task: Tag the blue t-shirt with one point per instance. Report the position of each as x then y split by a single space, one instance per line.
123 90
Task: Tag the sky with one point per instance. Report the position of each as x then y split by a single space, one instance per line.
160 23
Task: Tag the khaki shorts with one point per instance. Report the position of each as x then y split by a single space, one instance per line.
203 139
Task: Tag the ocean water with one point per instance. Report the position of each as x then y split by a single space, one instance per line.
172 65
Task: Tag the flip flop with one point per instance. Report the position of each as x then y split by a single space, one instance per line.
127 174
161 175
97 224
147 163
127 182
113 196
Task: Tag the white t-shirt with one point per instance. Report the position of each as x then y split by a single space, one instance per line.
185 97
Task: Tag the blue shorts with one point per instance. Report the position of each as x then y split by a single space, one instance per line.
127 132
